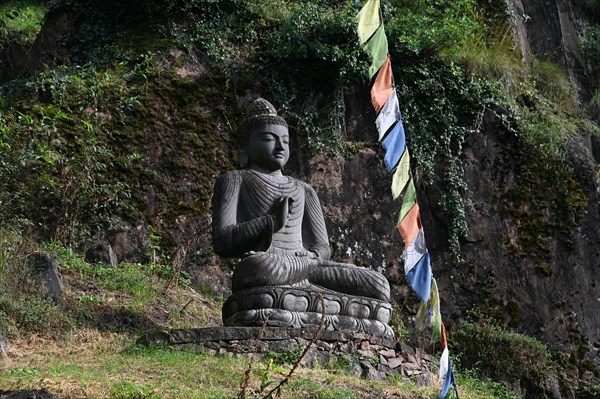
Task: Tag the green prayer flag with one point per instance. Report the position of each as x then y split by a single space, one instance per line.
401 176
409 200
368 20
377 48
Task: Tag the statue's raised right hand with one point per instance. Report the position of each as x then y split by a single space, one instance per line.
281 211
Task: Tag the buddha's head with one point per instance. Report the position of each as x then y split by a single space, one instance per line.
265 138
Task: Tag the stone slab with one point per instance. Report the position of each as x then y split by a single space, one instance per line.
200 335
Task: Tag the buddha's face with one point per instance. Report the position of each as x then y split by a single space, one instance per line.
269 147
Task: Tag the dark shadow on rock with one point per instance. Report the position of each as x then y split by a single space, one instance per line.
28 394
109 319
124 320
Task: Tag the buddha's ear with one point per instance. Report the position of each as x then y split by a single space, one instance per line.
244 158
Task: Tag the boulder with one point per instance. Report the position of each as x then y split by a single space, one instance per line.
45 269
129 245
101 252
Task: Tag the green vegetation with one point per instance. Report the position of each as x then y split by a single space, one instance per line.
129 298
500 354
486 387
20 22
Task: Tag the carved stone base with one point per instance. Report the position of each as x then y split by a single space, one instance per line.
288 319
301 308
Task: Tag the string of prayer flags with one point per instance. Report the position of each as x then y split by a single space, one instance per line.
417 261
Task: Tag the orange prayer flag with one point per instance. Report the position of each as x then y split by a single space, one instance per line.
409 226
383 86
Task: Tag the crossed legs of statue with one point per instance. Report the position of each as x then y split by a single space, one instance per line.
267 269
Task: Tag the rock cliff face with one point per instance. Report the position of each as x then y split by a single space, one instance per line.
548 30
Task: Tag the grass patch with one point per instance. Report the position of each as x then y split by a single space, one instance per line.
483 386
20 21
91 364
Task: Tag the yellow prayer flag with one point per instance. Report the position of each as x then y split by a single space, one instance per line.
368 20
402 175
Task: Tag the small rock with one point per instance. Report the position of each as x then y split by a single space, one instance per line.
425 379
130 245
394 362
365 346
411 366
388 353
410 373
382 360
27 394
345 347
424 356
412 359
370 373
324 345
384 369
354 369
365 353
402 347
311 358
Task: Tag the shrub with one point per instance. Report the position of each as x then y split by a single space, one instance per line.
503 355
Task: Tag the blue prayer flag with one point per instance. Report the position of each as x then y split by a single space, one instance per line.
419 278
447 382
394 144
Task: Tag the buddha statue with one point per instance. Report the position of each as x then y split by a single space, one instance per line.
275 225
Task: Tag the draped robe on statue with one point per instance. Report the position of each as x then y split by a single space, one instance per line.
281 271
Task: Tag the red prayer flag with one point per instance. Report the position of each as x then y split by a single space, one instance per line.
443 340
